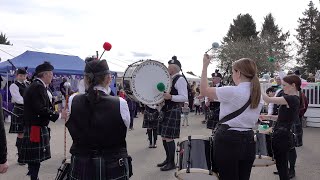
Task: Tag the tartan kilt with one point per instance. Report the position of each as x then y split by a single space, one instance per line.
35 152
150 118
213 118
169 127
97 168
16 125
298 132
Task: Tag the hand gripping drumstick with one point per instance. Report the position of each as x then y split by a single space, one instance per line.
66 85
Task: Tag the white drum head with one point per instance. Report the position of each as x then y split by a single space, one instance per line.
195 174
263 161
144 80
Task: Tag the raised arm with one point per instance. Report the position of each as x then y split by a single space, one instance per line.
205 90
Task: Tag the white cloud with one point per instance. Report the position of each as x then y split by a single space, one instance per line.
160 28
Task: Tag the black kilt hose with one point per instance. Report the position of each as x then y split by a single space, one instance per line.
213 115
298 132
32 152
16 125
169 127
150 118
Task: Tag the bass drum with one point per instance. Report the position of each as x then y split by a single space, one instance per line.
143 79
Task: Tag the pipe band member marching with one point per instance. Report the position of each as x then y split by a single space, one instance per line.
17 90
98 126
150 121
169 127
214 105
38 112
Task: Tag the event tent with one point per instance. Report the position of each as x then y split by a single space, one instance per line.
63 64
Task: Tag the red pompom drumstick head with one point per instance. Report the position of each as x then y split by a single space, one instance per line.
107 46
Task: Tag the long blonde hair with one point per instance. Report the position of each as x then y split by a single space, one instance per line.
248 68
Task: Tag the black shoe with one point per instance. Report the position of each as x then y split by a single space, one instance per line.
168 167
162 164
292 173
154 146
150 145
276 172
21 164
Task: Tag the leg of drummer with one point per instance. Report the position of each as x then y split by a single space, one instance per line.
292 157
165 145
149 132
171 153
155 137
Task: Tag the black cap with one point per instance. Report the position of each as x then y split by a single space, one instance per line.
22 70
297 72
45 66
96 67
175 61
216 74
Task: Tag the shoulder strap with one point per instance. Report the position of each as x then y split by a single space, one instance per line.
234 114
175 79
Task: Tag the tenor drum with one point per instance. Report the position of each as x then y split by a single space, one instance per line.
195 160
141 80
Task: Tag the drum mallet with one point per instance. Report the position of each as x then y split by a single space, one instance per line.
215 45
106 46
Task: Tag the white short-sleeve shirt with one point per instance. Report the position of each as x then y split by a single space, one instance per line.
232 98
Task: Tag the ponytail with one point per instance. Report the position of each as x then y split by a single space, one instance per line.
255 93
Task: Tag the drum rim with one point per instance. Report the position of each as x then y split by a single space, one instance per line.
195 170
195 137
134 71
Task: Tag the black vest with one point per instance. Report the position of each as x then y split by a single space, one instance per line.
168 103
276 106
98 129
21 87
215 104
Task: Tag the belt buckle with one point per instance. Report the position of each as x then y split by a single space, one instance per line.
121 162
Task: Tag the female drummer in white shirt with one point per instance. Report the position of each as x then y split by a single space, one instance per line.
234 150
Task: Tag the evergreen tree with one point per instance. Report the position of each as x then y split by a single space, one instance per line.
243 27
4 39
274 43
306 36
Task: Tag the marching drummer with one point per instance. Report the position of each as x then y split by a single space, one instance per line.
150 121
17 89
169 127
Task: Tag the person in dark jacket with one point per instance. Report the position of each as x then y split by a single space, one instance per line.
132 108
3 143
98 126
38 112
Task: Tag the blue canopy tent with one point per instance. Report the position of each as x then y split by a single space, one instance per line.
64 65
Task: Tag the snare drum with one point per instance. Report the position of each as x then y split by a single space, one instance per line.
140 81
195 152
263 156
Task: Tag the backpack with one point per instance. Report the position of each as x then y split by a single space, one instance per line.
190 96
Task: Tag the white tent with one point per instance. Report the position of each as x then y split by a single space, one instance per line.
192 78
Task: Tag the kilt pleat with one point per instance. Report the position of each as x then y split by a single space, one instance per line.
150 118
35 152
169 127
298 131
97 168
16 125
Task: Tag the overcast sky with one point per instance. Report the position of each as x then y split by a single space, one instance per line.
137 29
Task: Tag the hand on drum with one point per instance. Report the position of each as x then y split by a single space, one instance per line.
167 96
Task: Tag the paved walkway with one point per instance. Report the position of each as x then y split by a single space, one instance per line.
145 159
